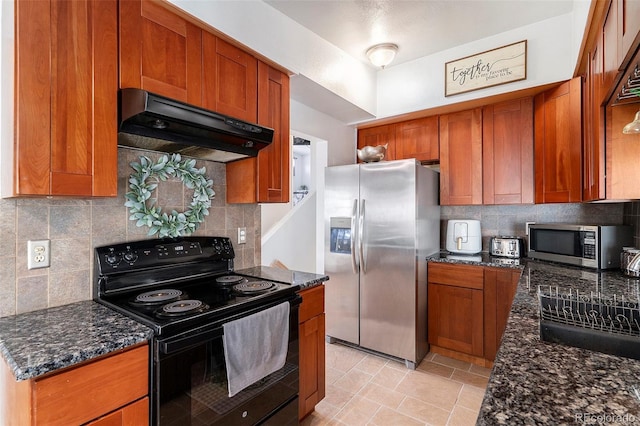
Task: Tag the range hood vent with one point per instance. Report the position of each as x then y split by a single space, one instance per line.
171 126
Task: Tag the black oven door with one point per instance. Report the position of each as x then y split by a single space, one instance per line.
190 382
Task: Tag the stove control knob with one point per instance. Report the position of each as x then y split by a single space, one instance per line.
112 258
130 256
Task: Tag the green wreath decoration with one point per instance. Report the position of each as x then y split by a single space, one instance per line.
148 214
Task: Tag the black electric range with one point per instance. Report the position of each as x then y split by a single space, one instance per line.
186 290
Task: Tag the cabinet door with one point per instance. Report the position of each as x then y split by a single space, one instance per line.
418 139
461 158
507 144
593 167
312 364
500 287
455 307
312 351
160 52
558 144
230 79
273 111
630 23
86 392
623 151
379 135
266 179
66 112
455 318
134 414
612 44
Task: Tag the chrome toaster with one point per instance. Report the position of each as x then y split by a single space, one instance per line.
504 246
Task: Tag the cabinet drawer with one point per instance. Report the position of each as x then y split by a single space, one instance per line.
456 275
312 303
86 392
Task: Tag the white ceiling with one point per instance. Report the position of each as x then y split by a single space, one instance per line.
418 27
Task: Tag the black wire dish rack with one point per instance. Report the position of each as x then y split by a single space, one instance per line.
607 324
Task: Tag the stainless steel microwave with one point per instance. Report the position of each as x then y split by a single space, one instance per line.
590 246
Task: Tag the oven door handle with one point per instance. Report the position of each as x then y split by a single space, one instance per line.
177 344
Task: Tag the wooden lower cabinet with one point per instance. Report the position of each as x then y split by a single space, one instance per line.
312 351
500 287
112 390
455 308
468 309
136 413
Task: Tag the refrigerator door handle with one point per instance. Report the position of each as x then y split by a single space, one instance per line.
354 258
361 237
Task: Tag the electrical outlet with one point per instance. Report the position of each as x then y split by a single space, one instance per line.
242 235
39 254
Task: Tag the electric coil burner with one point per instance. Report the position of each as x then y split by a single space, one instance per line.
254 287
230 280
186 291
157 297
181 308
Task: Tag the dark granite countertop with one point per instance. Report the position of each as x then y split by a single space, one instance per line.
39 342
297 278
538 383
480 259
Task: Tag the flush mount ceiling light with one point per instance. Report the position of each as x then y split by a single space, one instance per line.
633 127
382 54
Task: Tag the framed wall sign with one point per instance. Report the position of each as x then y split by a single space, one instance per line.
491 68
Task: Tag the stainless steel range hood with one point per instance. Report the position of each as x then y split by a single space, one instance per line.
171 126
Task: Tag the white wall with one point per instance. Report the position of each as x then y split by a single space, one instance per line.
7 42
285 232
419 84
295 240
267 31
341 138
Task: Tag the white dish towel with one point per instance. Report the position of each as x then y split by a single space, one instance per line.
255 346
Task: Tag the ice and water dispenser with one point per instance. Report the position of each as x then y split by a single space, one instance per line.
340 238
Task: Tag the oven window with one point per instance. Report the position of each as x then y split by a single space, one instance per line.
191 388
558 242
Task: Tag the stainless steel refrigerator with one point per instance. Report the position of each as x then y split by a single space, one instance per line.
381 222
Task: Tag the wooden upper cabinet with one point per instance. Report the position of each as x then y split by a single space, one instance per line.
273 111
418 139
461 158
593 154
229 78
623 151
558 144
160 52
507 144
379 135
612 44
629 23
65 105
266 179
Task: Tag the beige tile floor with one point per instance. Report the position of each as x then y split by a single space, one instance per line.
366 389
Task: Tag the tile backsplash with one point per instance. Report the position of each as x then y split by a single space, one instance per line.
511 219
76 226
